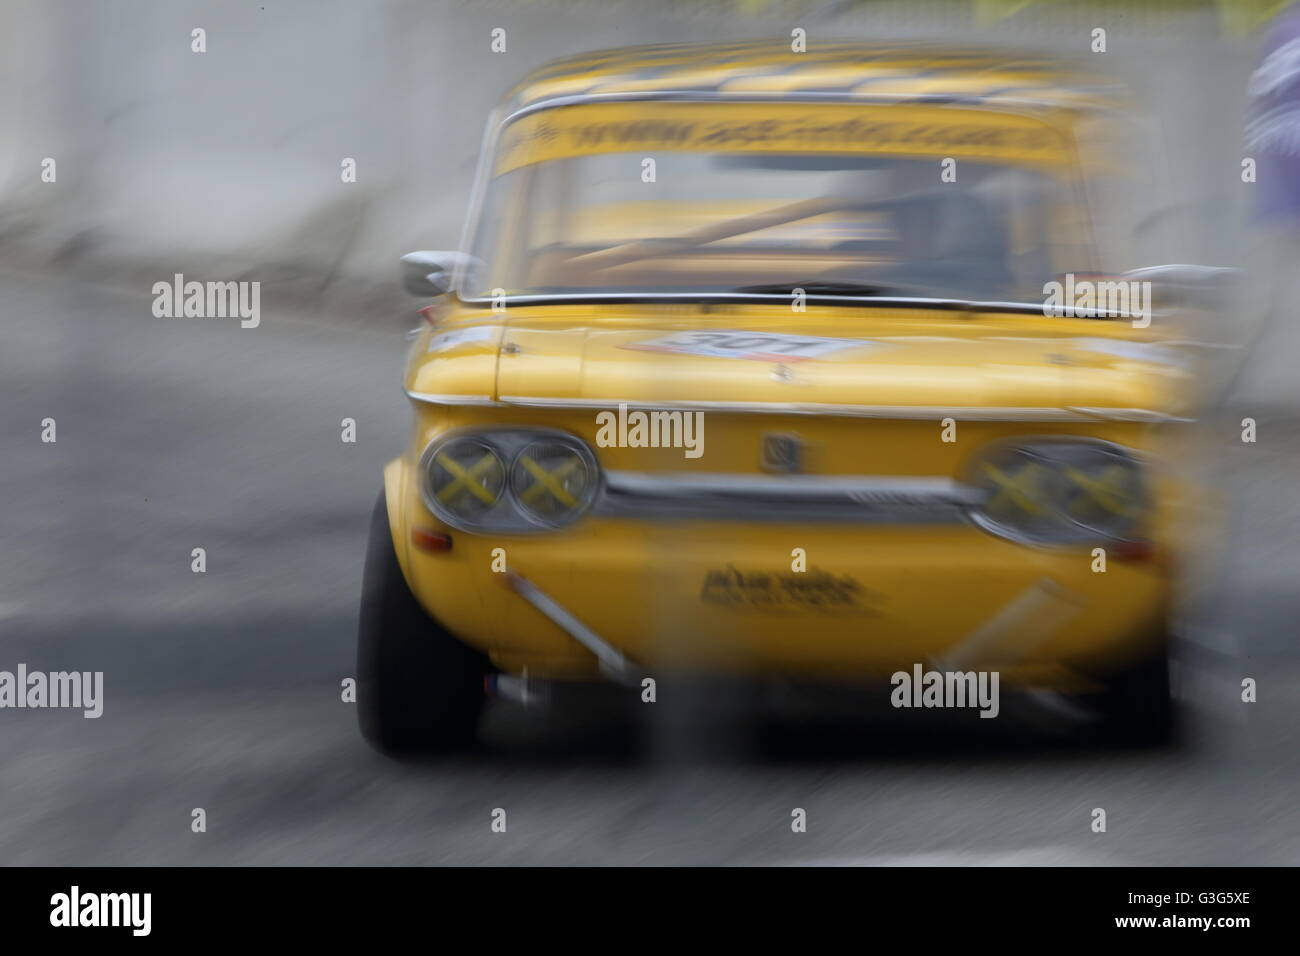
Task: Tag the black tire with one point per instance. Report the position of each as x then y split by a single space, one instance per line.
419 689
1137 708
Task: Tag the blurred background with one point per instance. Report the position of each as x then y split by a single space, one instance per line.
222 689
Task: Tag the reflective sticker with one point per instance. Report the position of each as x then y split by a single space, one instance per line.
755 346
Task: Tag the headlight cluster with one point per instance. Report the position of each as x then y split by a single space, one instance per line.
509 480
1060 491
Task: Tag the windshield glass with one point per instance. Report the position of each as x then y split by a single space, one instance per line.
715 221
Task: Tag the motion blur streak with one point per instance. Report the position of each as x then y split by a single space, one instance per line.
222 689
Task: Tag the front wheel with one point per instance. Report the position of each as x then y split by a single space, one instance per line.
418 687
1137 706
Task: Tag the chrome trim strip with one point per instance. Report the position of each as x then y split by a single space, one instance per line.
612 662
451 399
801 487
492 127
1016 106
899 412
902 412
650 297
1129 415
1031 617
732 497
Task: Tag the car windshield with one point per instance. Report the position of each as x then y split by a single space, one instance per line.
681 222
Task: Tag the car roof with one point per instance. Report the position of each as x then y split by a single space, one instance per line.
907 72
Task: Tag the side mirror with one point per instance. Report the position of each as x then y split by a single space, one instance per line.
428 273
1206 287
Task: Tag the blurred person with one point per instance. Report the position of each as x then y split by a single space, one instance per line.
1272 139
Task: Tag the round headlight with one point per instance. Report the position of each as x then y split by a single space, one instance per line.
552 481
466 478
1060 491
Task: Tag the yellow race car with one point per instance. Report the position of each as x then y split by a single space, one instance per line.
779 364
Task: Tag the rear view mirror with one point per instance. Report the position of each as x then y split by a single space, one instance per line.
428 273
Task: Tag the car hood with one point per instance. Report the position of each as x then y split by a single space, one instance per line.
883 362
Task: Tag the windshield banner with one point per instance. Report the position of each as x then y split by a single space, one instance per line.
779 127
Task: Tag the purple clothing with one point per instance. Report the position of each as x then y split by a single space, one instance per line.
1273 131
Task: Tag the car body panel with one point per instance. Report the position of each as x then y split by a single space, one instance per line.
890 360
904 390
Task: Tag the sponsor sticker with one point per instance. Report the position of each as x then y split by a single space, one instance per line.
813 590
777 127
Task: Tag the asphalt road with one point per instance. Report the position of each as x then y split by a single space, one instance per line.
222 688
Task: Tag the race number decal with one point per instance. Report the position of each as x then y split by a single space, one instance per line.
755 346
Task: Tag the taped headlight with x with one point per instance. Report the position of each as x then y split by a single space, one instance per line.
467 477
509 480
1061 491
551 481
